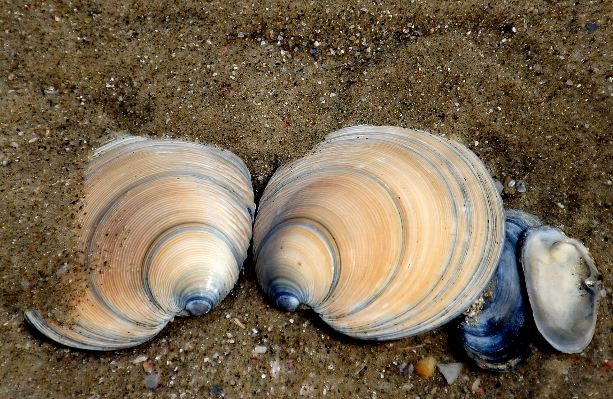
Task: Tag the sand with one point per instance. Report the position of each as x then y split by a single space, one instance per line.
528 86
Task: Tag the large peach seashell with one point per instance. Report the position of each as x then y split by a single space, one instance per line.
385 232
165 228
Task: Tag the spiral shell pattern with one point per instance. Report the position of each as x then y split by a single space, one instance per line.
385 232
165 228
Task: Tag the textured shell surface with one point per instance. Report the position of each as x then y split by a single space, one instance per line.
563 287
385 232
165 229
496 337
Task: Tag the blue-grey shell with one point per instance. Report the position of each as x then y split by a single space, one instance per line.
496 336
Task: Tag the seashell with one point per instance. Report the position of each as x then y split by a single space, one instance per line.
563 287
496 337
451 371
385 232
165 228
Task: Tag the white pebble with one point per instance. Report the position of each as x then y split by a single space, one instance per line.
62 270
151 380
260 349
139 359
450 371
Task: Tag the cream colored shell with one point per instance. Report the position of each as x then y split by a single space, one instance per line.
165 228
563 286
385 232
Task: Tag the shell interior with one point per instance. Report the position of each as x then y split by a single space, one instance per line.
165 229
385 232
563 286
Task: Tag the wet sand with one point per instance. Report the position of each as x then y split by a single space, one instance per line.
527 86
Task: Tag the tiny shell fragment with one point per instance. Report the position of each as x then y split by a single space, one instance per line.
148 366
139 359
450 371
152 380
425 367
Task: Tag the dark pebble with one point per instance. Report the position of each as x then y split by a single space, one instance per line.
591 27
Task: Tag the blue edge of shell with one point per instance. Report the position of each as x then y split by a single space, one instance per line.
496 338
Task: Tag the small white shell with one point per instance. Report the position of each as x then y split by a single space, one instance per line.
563 287
165 228
383 231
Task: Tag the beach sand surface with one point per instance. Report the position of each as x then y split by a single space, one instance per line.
527 86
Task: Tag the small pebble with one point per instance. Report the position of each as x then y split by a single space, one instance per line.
476 385
521 186
139 359
215 389
260 349
406 369
275 368
306 390
51 90
238 323
148 366
591 27
509 185
425 367
152 380
450 371
62 270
